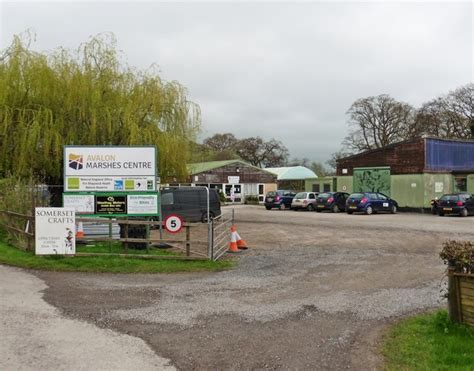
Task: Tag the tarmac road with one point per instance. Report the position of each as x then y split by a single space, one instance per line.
315 291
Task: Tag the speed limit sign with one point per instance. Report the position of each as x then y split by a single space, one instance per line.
173 223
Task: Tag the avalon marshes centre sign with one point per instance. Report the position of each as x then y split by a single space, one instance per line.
54 231
109 168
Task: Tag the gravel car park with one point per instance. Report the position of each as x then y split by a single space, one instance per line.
314 291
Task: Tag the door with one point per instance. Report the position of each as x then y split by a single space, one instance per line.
384 202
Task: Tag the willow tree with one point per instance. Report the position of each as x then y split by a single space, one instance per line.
86 96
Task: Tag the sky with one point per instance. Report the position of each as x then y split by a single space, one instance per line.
282 70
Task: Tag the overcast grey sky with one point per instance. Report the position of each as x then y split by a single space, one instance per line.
287 71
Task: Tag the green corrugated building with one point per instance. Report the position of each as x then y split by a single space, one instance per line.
412 172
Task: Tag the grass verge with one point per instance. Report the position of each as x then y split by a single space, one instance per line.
429 342
10 255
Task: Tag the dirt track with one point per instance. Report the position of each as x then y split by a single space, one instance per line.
315 291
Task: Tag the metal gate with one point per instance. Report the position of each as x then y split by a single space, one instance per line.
219 234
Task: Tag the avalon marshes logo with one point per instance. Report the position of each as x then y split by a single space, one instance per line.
75 161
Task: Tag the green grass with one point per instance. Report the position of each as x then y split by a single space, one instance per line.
12 256
429 342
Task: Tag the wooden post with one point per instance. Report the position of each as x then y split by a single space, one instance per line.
453 296
126 237
188 239
147 234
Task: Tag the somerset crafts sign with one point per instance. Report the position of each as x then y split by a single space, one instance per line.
55 231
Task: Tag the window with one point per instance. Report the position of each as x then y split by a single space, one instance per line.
316 188
167 199
311 196
460 184
327 187
381 196
261 189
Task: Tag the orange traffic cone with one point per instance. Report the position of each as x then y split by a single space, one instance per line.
233 241
241 244
80 230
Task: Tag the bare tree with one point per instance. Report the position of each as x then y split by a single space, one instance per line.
221 142
379 121
260 153
450 116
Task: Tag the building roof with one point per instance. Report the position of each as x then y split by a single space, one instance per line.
202 167
292 173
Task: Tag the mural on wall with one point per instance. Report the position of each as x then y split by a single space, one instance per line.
372 180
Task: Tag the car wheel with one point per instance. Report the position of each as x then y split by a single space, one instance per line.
463 212
369 210
318 211
440 213
394 209
335 209
282 206
349 212
310 207
268 207
204 216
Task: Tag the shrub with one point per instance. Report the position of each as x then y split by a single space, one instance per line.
251 199
459 255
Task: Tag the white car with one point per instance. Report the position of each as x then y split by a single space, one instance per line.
304 201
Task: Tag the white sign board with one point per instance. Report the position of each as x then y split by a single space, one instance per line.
55 229
109 168
82 204
439 187
142 204
233 179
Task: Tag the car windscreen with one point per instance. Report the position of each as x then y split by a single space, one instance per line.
325 196
301 195
449 198
271 194
357 196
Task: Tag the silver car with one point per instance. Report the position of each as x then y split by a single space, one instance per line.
304 200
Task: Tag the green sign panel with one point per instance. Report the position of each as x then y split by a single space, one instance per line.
374 179
113 204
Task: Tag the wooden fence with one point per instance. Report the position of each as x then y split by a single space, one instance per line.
461 297
22 228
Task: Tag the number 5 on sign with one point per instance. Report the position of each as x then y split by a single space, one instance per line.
173 223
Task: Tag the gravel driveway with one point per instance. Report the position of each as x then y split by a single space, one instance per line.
315 291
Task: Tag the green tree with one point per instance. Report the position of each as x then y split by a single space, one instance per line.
86 97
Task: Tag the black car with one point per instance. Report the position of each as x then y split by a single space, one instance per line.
279 199
190 203
370 203
456 203
334 201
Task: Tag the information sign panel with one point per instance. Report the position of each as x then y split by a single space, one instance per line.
55 231
142 204
109 168
111 204
82 204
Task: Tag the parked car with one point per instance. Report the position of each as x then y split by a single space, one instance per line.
190 203
434 205
304 200
279 199
456 203
370 202
334 201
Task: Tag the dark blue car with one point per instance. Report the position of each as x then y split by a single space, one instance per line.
279 199
370 203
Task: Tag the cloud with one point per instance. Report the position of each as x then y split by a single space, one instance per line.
284 70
